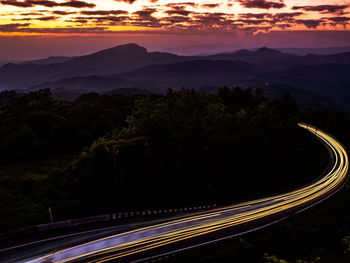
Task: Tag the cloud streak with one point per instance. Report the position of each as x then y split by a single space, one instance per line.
115 16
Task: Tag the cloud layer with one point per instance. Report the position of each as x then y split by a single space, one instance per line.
164 16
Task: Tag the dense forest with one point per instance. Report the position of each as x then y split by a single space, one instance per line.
106 153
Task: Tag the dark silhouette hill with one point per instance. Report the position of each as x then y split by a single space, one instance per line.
114 60
47 61
192 70
130 57
258 56
318 51
270 59
329 79
325 83
132 66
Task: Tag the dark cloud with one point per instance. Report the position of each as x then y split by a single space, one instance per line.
47 3
178 10
187 4
322 8
253 21
262 4
77 4
13 27
184 17
279 19
252 15
46 18
16 3
62 13
145 18
31 14
146 14
101 20
339 19
24 28
214 21
176 19
104 12
309 23
129 1
285 17
210 5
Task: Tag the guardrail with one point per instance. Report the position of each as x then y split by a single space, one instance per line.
112 217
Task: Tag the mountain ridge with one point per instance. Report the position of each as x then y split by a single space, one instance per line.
132 66
128 57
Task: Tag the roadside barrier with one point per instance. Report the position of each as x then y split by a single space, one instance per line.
112 217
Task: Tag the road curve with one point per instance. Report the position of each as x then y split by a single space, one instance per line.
266 211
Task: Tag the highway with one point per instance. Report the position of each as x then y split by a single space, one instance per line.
134 245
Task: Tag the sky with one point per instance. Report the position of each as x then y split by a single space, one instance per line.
36 28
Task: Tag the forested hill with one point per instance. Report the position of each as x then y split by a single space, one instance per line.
100 154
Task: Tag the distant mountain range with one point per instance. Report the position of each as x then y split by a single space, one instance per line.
131 66
47 61
318 51
115 60
212 49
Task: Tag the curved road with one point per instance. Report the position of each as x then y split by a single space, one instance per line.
134 245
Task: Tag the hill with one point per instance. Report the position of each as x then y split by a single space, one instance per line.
258 56
193 70
49 60
114 60
129 57
132 66
317 85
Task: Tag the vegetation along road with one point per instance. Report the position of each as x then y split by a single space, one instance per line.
197 229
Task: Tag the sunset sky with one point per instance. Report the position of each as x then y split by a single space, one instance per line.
162 22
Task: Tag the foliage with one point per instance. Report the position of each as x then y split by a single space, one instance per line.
35 125
102 154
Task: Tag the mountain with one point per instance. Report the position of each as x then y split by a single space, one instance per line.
4 62
193 70
270 59
71 88
324 79
119 59
261 55
49 60
114 60
340 58
15 76
88 84
155 78
316 51
311 86
129 57
329 79
133 67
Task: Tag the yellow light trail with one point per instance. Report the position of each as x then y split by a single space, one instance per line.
147 238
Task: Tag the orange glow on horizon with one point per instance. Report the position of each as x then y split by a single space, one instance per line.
109 16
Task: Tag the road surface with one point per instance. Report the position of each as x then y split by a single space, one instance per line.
126 246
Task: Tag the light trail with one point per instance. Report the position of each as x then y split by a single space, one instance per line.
145 239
